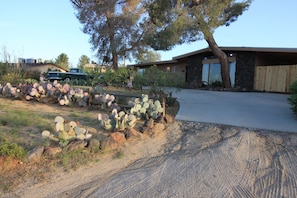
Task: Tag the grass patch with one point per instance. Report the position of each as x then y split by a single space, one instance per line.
118 155
16 118
72 160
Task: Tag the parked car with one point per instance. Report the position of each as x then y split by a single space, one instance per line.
74 73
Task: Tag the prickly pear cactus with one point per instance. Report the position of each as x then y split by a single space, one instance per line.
67 131
144 108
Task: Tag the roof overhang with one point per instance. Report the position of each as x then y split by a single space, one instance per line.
144 65
242 49
176 59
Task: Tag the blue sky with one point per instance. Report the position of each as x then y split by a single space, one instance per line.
46 28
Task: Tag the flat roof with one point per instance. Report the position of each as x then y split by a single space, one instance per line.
247 49
153 63
204 50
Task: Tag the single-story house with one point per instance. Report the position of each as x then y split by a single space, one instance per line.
251 68
94 67
42 67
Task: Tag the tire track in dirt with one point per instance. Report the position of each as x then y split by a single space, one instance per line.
228 167
290 177
274 175
283 159
131 179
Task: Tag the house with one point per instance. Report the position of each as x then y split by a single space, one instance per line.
251 68
42 67
94 67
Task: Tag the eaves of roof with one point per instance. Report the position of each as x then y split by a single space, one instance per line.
246 49
44 64
153 63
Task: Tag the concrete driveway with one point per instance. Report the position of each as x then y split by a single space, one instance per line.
245 109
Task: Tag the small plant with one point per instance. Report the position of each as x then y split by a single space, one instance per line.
293 97
12 150
63 143
217 84
118 155
170 100
71 160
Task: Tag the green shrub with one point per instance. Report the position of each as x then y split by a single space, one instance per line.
217 84
293 97
12 150
12 77
32 75
157 79
73 159
118 155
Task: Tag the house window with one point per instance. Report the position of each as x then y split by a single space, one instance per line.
173 69
211 72
168 69
141 71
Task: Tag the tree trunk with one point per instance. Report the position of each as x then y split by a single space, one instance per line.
223 58
115 61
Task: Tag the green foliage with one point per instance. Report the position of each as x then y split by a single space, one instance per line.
63 143
293 97
83 61
217 84
32 75
15 126
114 37
118 155
63 61
22 118
4 68
12 77
10 73
158 79
73 159
178 22
117 77
12 150
148 57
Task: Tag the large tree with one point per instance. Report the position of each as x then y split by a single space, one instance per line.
148 56
84 59
63 61
114 27
181 21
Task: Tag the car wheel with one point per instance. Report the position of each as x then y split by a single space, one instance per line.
67 79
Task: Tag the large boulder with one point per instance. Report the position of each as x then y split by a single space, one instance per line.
133 132
79 144
94 145
118 137
109 144
52 151
35 154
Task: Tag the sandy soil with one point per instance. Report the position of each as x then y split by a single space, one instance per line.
188 160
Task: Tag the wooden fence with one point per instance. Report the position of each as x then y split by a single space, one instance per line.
275 78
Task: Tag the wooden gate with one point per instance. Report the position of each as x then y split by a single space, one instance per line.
275 78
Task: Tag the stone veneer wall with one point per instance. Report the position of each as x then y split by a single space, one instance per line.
245 70
194 71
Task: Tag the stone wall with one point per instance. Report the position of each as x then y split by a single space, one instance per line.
245 70
194 71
